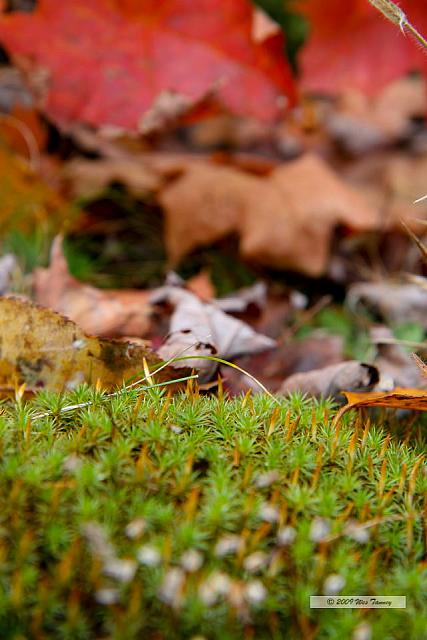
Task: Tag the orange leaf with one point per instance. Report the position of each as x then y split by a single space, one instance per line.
284 220
399 398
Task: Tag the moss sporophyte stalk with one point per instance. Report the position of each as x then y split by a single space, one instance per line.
396 15
144 514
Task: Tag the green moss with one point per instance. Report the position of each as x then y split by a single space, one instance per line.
149 517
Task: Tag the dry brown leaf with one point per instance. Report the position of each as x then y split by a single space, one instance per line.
285 220
88 178
44 350
331 380
392 181
399 398
362 123
111 313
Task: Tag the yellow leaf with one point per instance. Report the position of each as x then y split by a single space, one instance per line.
44 350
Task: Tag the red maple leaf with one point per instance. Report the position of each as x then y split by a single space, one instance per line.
352 46
107 61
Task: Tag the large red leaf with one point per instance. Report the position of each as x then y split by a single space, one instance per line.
352 46
108 60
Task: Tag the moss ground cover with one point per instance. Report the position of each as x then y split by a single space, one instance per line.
155 517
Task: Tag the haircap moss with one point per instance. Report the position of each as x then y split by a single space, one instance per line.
145 515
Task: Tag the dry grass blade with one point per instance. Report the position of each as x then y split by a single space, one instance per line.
420 363
421 246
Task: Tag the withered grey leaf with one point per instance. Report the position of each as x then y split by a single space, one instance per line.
397 367
202 328
330 381
396 303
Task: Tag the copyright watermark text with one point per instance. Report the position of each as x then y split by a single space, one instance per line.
357 602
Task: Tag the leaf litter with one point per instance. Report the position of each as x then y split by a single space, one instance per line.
303 217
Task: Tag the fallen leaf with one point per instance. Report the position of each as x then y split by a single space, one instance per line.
399 398
398 303
241 301
396 366
317 351
110 313
226 131
89 178
198 328
330 381
44 350
285 220
107 62
391 181
352 46
361 123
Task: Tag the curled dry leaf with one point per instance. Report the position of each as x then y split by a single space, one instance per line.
399 398
203 329
330 381
188 48
44 350
285 220
111 313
